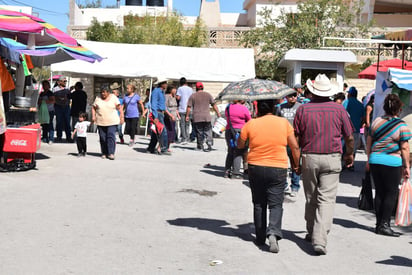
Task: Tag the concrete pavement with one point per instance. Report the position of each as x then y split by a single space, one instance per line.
145 214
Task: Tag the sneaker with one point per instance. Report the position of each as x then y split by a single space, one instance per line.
273 244
288 190
319 249
167 153
131 143
293 193
103 156
227 174
237 177
50 142
111 157
121 140
208 149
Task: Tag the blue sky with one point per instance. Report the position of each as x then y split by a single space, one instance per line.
55 11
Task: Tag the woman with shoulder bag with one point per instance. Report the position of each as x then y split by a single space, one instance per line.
131 103
237 115
388 161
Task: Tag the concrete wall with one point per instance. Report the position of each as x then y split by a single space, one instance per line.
393 20
84 17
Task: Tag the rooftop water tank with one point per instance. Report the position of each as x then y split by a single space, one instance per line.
155 3
134 3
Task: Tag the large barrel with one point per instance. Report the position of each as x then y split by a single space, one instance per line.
134 2
155 3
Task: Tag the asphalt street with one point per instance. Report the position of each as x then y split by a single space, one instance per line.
146 214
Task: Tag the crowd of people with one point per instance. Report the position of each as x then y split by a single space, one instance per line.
314 133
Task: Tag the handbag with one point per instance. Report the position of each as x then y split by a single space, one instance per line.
234 135
404 209
365 200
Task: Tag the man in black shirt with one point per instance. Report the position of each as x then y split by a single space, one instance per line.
79 102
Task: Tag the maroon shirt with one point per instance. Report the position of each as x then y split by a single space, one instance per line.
320 126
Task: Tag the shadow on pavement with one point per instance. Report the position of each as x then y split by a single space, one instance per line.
397 260
40 156
351 224
214 170
94 154
221 227
304 245
141 150
349 201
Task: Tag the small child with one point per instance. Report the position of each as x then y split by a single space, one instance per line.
81 130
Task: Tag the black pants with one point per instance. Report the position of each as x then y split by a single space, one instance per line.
387 180
131 127
81 145
267 185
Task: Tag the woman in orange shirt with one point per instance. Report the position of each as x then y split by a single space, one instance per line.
268 136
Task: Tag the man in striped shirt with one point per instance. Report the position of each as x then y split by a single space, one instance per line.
319 126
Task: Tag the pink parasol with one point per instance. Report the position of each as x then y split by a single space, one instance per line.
31 30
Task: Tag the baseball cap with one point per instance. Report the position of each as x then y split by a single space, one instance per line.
199 85
352 91
297 86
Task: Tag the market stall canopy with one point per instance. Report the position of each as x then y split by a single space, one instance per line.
402 78
31 30
171 62
370 72
404 35
46 55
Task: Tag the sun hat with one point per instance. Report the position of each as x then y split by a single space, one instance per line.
161 80
114 86
322 86
199 85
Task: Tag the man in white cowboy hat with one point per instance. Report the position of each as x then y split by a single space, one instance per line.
320 126
158 107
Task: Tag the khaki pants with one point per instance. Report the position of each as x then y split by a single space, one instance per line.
320 175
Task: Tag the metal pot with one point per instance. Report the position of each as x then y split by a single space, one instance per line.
23 102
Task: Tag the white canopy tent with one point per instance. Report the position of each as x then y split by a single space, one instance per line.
171 62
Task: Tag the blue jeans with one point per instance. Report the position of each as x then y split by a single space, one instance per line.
234 156
162 137
267 186
294 178
62 120
107 137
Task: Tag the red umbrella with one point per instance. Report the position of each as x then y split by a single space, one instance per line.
30 30
370 72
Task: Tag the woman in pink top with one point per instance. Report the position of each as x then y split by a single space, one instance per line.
237 115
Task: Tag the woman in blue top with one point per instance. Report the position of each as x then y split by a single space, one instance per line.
131 103
388 160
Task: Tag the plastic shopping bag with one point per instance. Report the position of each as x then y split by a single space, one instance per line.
403 211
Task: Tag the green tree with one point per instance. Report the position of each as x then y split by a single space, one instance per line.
164 30
90 4
314 20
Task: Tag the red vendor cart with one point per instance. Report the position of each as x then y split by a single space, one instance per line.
20 146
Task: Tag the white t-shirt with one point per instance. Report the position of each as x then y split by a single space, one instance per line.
184 92
81 128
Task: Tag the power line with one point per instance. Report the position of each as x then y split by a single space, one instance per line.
37 8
